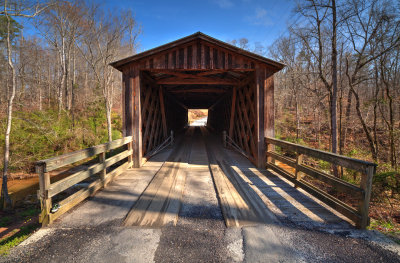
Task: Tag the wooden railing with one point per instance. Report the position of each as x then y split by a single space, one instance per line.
362 192
48 190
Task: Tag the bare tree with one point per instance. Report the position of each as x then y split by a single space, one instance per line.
372 31
101 44
60 26
23 10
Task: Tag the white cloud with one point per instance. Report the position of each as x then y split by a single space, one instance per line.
260 18
224 3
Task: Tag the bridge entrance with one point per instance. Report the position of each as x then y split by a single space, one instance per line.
198 72
236 87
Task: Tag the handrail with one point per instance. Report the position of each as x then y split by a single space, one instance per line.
167 142
228 141
362 192
69 158
49 190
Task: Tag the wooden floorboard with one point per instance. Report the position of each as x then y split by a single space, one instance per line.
159 203
281 197
247 195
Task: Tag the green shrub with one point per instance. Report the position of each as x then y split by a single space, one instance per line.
43 134
387 181
323 165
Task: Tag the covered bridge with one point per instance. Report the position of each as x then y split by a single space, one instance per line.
159 86
198 72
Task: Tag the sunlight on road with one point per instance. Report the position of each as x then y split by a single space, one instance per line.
199 122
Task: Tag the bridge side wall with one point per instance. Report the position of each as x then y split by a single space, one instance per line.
247 114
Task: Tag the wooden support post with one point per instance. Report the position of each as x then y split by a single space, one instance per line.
224 138
127 105
45 201
298 175
130 157
260 111
269 112
162 107
137 118
102 160
172 138
366 185
269 147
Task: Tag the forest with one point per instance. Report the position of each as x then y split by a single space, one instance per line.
339 91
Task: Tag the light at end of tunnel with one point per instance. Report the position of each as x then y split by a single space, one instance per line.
197 117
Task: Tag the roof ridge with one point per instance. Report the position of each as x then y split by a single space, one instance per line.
119 63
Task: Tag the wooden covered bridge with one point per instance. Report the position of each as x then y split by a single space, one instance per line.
232 153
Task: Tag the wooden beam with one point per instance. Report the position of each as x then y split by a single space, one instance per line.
233 108
73 157
137 118
197 80
247 122
260 77
209 71
218 101
148 119
176 101
210 90
269 113
242 130
164 121
124 104
153 128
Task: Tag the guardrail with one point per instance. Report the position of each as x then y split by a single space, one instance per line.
362 192
48 190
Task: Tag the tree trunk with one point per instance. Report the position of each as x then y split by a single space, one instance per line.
108 113
334 87
364 125
346 128
5 198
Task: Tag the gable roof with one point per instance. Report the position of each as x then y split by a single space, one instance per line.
199 35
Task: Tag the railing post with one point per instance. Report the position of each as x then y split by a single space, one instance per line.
172 137
298 175
366 185
102 160
269 148
45 201
224 138
130 157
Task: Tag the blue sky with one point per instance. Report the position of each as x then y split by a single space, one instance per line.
164 21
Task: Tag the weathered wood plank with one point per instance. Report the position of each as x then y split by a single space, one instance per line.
331 180
324 177
74 199
286 160
344 161
336 204
260 111
366 185
242 129
137 118
162 107
196 81
69 158
248 125
73 179
45 200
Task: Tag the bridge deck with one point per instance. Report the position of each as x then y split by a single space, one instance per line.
153 195
165 213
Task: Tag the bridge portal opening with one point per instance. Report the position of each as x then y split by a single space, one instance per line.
161 85
197 117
